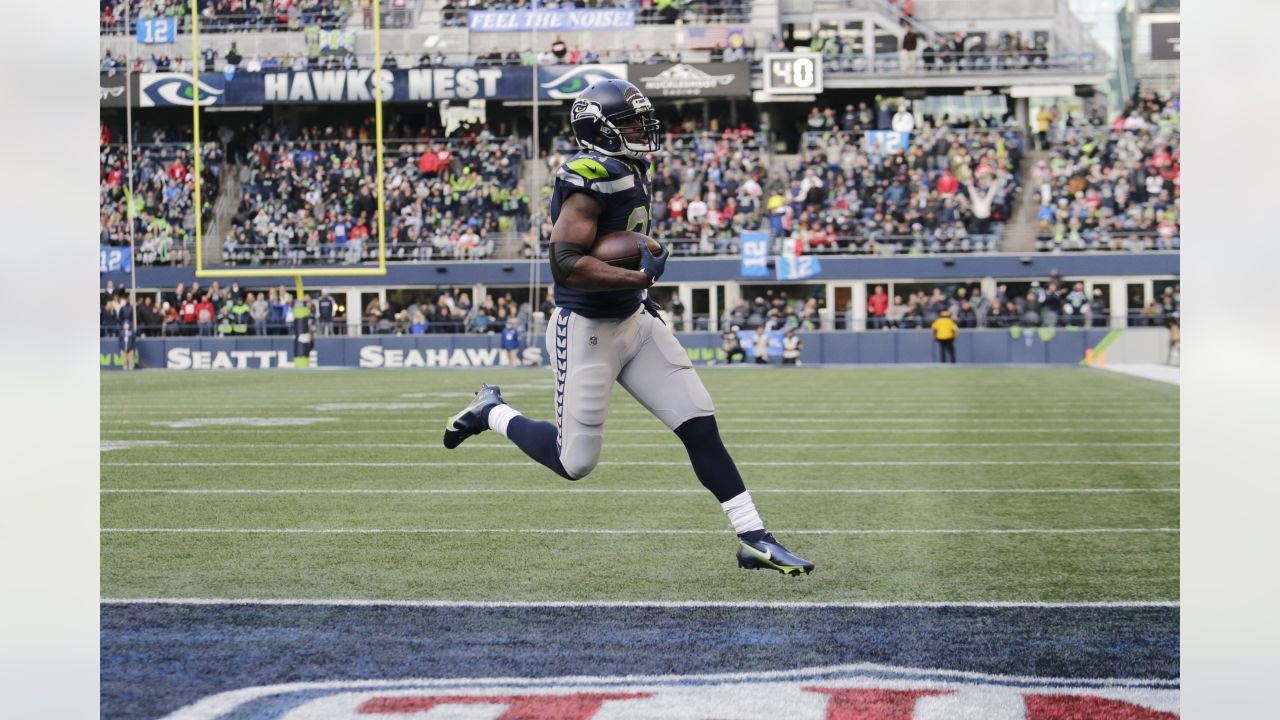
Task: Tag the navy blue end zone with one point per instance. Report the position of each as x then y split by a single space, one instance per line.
157 658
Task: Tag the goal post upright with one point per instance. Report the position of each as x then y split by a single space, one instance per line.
197 179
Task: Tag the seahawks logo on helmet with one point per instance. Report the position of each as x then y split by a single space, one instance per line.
583 109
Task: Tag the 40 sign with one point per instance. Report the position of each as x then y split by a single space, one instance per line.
857 692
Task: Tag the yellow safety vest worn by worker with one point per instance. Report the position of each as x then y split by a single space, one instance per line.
944 328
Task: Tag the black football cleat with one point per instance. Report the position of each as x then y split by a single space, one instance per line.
471 421
768 554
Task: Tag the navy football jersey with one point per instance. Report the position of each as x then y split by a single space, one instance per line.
623 188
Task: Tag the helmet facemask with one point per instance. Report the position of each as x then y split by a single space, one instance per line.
638 131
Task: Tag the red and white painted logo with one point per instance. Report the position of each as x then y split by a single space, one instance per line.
854 692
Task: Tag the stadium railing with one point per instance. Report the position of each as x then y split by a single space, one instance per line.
1117 240
990 62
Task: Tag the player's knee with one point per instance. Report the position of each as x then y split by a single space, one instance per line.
580 465
578 469
580 456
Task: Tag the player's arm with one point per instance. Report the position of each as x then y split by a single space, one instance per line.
571 239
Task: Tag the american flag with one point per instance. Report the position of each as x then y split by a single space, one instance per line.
706 38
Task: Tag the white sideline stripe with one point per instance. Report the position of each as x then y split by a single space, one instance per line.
625 531
302 421
647 463
622 491
1056 429
495 604
833 409
430 445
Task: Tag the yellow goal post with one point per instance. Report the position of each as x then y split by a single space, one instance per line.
298 272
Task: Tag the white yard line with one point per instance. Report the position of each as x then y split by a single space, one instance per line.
627 531
624 491
752 604
645 418
430 445
833 409
434 428
648 463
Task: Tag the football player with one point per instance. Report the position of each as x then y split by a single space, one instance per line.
605 329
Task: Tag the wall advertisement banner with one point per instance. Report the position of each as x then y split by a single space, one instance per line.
172 89
553 20
427 352
694 80
111 88
564 82
1166 41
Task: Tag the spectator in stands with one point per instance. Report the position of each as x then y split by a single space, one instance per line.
205 312
791 347
324 313
909 46
559 50
904 120
877 308
731 343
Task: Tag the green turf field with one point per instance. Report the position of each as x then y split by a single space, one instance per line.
900 484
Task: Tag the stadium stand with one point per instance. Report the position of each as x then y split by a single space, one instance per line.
453 13
224 16
1116 187
314 199
163 221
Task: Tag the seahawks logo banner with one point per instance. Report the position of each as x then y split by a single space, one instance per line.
564 82
275 87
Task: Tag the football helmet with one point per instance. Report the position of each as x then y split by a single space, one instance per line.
614 118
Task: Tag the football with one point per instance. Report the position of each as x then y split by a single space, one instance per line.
620 248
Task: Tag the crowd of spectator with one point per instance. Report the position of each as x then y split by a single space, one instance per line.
449 311
1054 304
561 53
971 51
314 198
453 13
212 311
771 311
163 217
1115 187
949 190
225 15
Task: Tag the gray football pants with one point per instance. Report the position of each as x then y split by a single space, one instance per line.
641 353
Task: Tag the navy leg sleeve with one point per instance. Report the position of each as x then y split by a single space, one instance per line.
711 462
537 438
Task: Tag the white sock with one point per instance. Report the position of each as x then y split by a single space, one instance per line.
500 416
742 513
